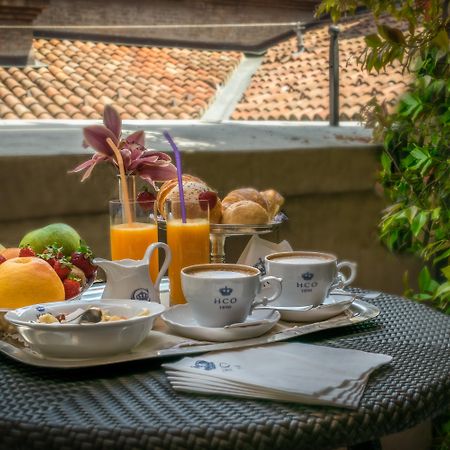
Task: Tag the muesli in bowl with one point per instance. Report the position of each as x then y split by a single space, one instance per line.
55 329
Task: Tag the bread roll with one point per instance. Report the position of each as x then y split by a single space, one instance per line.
245 212
274 201
244 194
194 189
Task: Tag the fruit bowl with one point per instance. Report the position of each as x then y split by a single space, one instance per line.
89 282
85 340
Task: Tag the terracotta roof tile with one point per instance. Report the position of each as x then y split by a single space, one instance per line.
37 109
11 101
28 101
299 82
98 107
87 110
4 109
79 78
44 100
4 92
20 109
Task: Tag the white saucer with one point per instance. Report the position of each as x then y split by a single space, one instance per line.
179 319
332 306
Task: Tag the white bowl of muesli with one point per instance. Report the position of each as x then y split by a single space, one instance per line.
85 329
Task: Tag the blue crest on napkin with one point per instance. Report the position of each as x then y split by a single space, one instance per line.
205 365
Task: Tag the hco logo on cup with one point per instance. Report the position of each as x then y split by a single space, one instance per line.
225 301
307 284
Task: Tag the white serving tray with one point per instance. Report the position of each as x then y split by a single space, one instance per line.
161 344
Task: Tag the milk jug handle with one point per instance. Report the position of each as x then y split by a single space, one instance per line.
167 258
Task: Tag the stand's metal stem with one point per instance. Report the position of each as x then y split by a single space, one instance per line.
218 248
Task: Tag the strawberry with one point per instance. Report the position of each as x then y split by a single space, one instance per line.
210 196
51 254
71 288
83 260
62 267
26 251
2 259
146 200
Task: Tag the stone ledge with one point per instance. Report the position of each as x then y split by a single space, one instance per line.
37 186
65 137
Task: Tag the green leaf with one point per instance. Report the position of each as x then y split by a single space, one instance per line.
386 163
446 272
419 154
409 213
441 40
424 279
373 40
426 166
392 239
435 214
433 286
423 296
441 257
408 104
393 35
443 289
418 223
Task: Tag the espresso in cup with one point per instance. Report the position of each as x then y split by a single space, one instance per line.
223 294
307 276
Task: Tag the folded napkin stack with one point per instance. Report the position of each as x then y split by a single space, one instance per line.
291 372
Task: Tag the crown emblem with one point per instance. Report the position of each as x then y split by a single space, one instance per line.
307 276
140 294
261 266
225 291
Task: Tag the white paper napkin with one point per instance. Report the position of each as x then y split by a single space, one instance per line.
257 249
292 372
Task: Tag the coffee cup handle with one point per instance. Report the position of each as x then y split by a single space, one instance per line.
167 258
343 279
265 300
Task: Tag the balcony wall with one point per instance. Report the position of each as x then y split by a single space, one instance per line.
328 185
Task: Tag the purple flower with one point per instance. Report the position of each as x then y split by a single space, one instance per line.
150 165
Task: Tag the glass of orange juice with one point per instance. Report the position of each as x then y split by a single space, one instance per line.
188 241
130 236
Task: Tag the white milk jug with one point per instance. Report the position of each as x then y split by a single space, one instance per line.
130 278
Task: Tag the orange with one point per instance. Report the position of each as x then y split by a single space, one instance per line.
28 280
9 253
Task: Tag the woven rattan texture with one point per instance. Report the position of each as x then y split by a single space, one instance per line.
133 407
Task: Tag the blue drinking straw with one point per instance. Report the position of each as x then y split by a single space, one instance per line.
179 173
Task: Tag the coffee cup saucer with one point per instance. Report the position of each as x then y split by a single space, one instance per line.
331 306
180 320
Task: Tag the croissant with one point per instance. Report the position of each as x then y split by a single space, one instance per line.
245 212
244 194
274 201
194 189
248 206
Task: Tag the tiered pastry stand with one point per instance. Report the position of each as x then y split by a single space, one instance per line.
219 232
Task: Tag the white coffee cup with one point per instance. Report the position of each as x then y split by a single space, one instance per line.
223 294
307 277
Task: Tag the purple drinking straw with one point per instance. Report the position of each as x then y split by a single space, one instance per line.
179 173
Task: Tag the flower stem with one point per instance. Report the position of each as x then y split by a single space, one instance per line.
125 196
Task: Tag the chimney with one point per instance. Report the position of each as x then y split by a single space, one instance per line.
16 44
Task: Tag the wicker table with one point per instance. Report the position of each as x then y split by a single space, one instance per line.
132 406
